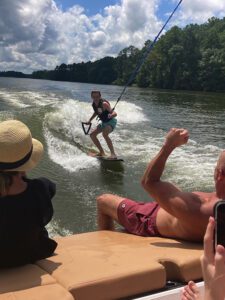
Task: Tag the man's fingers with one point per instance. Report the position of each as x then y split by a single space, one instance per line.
209 241
184 132
181 131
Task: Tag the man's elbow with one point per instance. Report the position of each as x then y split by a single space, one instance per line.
147 184
143 182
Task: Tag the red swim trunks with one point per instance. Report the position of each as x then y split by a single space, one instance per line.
138 217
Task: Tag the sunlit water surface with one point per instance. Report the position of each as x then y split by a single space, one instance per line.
54 111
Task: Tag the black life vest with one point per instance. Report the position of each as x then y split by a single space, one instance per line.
99 110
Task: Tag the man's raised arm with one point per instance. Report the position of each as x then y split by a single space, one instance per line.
151 181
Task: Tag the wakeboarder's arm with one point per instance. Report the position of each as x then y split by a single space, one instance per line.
92 117
107 107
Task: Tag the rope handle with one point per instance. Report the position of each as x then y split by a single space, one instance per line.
86 129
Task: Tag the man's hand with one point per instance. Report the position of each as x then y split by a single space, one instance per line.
176 137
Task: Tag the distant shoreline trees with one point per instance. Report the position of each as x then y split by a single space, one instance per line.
14 74
192 58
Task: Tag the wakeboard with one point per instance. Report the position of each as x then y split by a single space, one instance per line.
105 158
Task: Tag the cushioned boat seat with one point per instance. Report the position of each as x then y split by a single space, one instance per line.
50 292
180 259
30 283
111 265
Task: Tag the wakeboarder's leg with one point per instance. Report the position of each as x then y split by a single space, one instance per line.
95 140
107 205
106 131
190 292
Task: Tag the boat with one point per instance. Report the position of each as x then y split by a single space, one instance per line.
106 265
171 294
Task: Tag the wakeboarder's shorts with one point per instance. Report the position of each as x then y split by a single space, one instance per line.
138 217
112 122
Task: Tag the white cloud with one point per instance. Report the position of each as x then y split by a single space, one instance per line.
36 34
97 38
199 11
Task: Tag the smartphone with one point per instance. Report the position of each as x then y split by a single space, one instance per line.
219 215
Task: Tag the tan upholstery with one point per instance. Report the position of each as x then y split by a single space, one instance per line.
104 264
50 292
22 278
111 265
180 259
30 283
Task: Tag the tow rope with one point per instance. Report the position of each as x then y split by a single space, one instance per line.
145 55
138 66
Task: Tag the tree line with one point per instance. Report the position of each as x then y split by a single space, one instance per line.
189 58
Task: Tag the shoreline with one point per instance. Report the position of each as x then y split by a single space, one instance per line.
174 91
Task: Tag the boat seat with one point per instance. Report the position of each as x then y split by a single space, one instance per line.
30 282
111 265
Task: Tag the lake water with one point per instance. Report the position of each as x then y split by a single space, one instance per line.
54 111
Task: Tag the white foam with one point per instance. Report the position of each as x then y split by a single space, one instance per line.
66 121
11 98
55 230
26 99
190 166
129 113
66 155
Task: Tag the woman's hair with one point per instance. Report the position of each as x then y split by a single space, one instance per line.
6 180
96 92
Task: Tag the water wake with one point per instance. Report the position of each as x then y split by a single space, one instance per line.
67 144
25 99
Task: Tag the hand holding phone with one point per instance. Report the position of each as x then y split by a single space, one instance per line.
219 215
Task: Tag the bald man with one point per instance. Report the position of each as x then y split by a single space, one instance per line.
174 213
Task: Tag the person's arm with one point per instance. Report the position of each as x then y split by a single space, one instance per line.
153 173
91 118
213 266
107 107
169 197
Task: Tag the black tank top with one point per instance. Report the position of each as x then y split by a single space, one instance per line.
23 237
99 110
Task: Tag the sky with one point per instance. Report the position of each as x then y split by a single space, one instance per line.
41 34
97 6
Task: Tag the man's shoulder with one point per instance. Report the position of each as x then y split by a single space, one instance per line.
206 196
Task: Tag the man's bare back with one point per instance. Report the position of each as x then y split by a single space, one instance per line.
192 226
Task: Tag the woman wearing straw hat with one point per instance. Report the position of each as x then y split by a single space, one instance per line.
25 204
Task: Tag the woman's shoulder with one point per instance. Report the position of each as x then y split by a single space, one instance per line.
105 103
43 184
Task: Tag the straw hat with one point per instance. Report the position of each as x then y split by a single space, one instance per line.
18 151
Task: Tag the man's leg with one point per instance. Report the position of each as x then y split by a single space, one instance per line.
106 131
95 140
107 205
